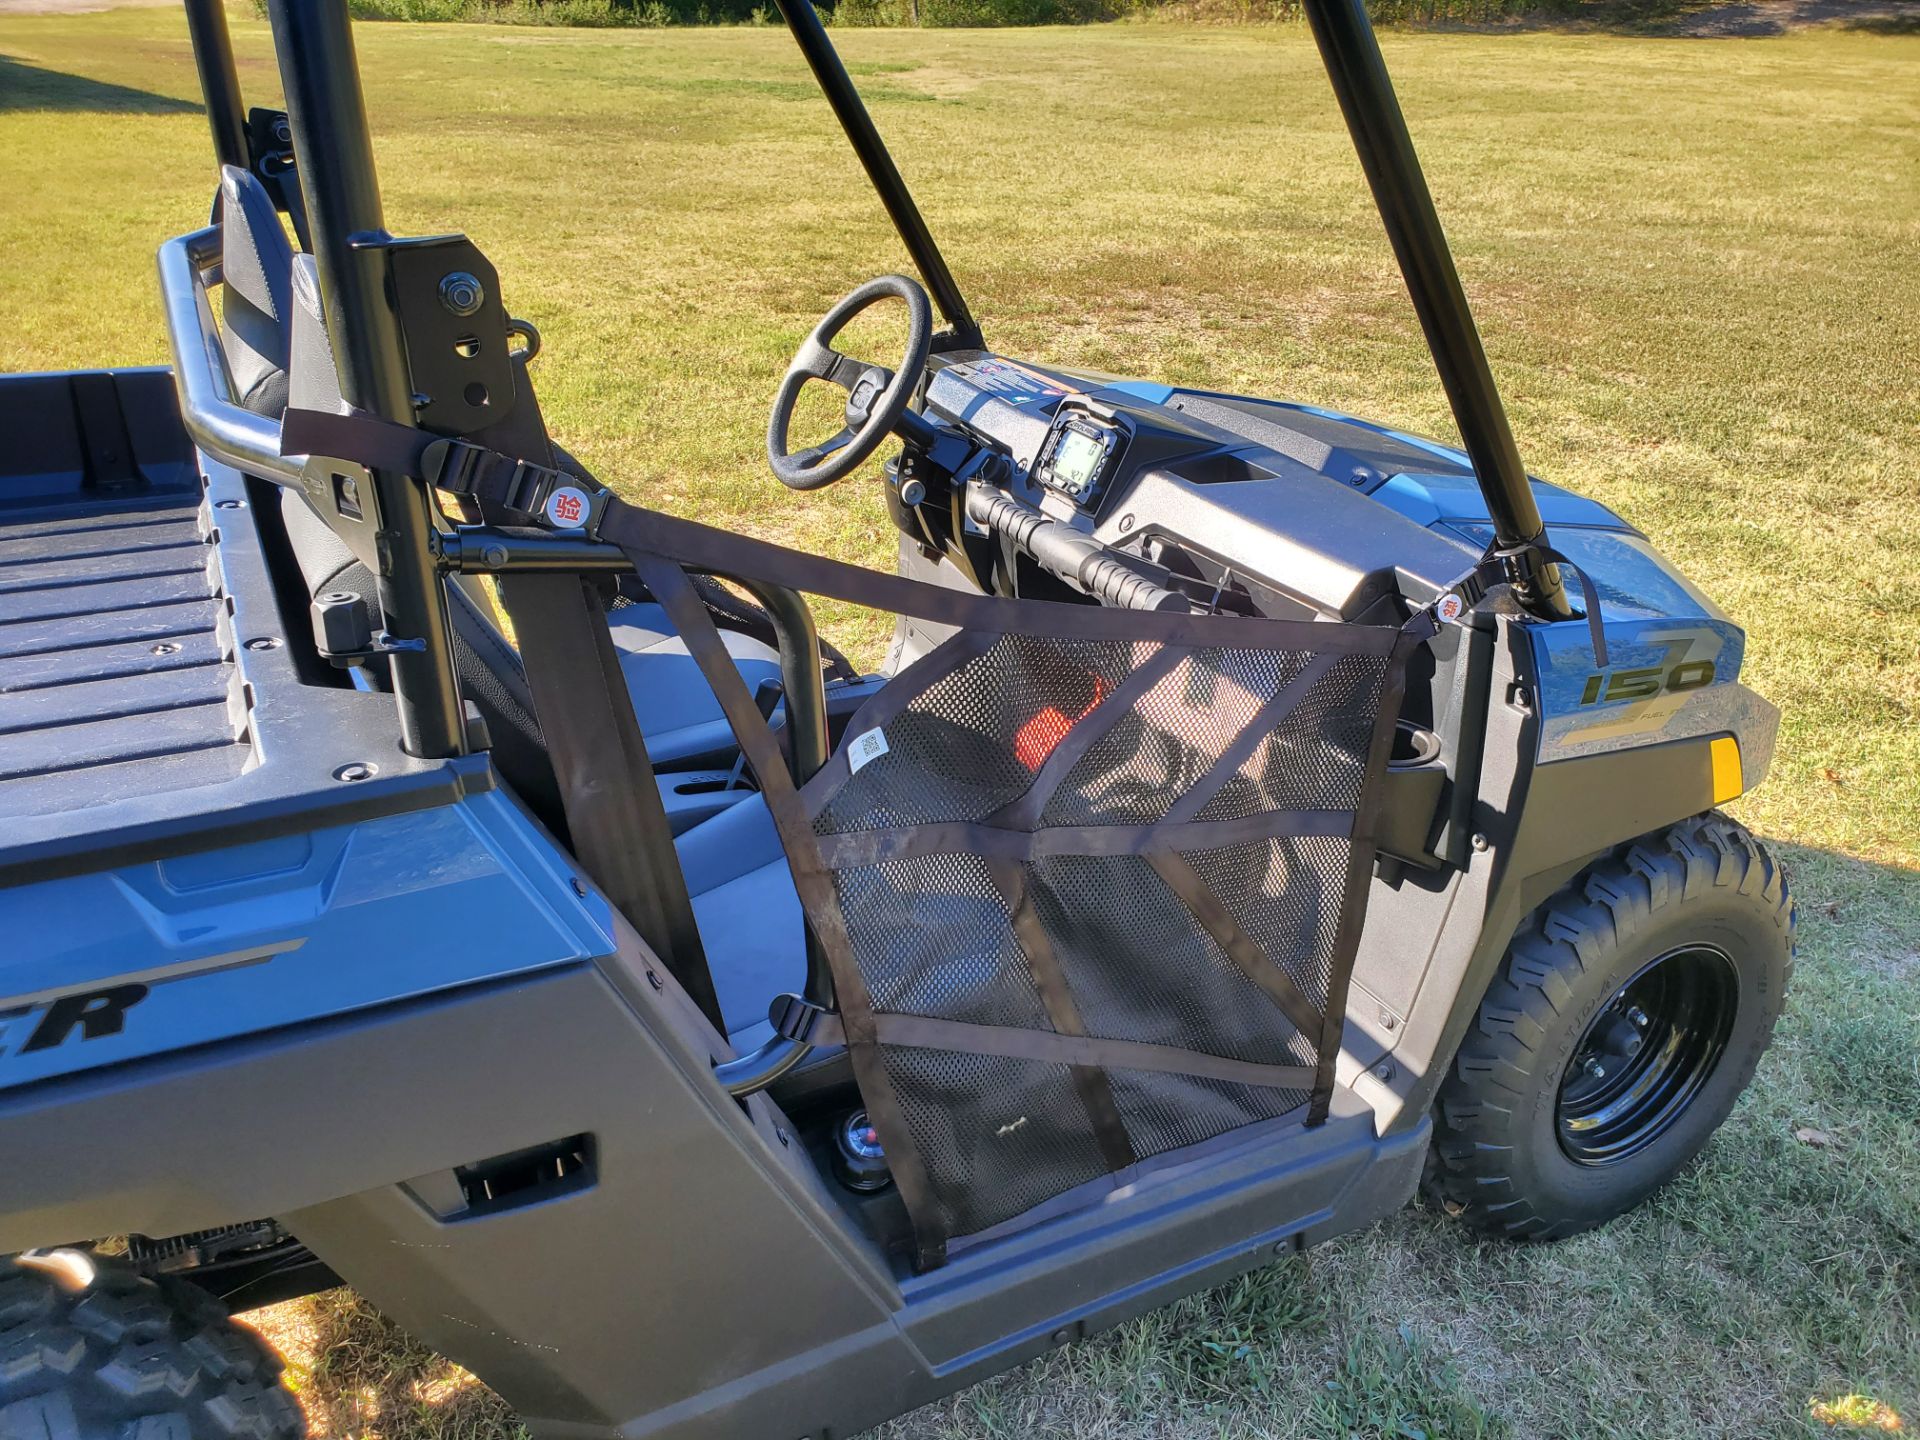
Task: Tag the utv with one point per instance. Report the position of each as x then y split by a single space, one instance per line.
697 1038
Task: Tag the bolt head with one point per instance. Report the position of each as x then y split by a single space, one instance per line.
1063 1335
167 647
461 292
356 770
1596 1070
1638 1017
1480 842
495 556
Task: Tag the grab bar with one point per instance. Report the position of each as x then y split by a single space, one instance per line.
228 432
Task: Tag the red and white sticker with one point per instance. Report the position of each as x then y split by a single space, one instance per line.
1450 608
567 508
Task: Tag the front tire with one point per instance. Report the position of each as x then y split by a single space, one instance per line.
1627 1017
90 1350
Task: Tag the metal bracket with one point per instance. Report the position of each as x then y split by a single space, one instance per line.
456 331
270 154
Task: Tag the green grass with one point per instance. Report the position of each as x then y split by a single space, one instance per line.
1694 263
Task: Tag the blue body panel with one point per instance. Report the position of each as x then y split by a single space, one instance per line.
1654 618
253 937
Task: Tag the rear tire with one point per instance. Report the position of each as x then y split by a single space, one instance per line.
120 1357
1569 1102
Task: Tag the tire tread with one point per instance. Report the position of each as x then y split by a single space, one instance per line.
1469 1173
132 1358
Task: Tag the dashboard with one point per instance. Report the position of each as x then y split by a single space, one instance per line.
1211 491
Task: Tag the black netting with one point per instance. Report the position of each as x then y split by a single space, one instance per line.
1140 969
1033 757
931 937
1171 1112
1092 868
1288 895
997 1136
972 741
1316 757
1168 739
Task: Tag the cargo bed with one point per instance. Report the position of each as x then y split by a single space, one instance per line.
152 692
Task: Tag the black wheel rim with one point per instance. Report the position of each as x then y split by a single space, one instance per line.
1646 1056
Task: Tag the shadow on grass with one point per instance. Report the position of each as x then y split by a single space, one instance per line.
28 87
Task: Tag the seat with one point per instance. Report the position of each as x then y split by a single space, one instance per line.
748 914
743 896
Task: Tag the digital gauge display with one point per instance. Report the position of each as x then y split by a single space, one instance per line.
1076 459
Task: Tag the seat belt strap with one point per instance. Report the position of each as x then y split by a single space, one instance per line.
615 816
498 481
619 826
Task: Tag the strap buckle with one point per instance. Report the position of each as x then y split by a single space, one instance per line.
556 499
805 1022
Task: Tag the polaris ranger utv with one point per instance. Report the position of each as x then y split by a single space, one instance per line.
696 1038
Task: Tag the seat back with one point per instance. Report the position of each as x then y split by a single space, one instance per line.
256 265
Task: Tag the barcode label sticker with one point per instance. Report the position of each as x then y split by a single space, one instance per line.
864 749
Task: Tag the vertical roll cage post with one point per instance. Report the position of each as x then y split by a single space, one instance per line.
803 22
1358 73
219 80
1351 52
334 156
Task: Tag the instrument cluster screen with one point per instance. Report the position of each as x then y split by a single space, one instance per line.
1076 460
1077 456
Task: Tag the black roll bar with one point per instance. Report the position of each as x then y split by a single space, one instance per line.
1351 53
811 36
219 80
333 154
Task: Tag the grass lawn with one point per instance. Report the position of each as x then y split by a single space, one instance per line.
1696 265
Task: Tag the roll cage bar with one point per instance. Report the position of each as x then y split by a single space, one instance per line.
333 158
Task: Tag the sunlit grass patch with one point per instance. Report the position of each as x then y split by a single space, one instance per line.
1856 1412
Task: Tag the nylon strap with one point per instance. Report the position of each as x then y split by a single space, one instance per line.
811 882
1506 567
1013 1043
1096 1091
497 481
615 816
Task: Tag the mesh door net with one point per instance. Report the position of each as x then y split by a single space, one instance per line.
1089 881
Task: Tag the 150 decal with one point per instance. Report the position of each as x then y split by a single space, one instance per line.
1606 687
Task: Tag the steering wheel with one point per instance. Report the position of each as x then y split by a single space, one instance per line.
876 396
